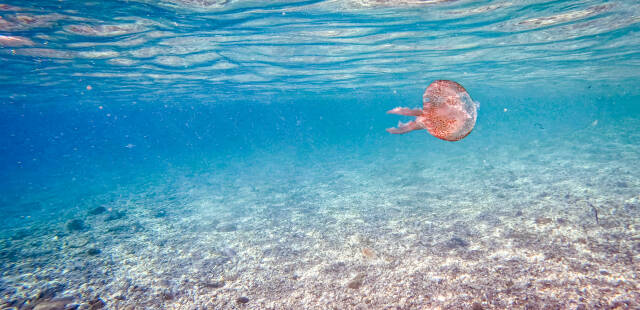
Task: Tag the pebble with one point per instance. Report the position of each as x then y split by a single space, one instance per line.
356 282
94 251
50 291
215 284
54 304
96 304
242 300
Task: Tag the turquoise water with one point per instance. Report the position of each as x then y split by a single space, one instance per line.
230 154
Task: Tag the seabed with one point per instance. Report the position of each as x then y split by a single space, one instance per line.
550 224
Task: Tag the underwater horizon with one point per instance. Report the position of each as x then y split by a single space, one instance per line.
234 154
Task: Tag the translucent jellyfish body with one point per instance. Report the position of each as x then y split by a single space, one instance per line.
448 112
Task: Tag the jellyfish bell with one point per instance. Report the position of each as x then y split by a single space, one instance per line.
448 112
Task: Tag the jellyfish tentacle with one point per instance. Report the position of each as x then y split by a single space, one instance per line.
405 111
405 127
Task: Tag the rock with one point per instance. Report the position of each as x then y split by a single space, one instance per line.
167 295
456 242
54 304
97 210
214 284
476 306
50 291
93 251
226 227
242 300
75 225
96 304
356 282
14 303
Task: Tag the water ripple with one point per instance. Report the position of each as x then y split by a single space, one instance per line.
319 46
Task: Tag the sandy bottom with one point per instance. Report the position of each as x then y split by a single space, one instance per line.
551 224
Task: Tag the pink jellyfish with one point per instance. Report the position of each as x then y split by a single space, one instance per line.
448 112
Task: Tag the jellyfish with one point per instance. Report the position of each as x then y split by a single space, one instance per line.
448 112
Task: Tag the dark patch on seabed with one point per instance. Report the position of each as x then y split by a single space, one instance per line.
554 228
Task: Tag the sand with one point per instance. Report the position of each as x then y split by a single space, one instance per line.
551 223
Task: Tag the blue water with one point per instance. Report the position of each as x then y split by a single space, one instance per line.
210 151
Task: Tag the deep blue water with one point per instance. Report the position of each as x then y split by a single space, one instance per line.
102 96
